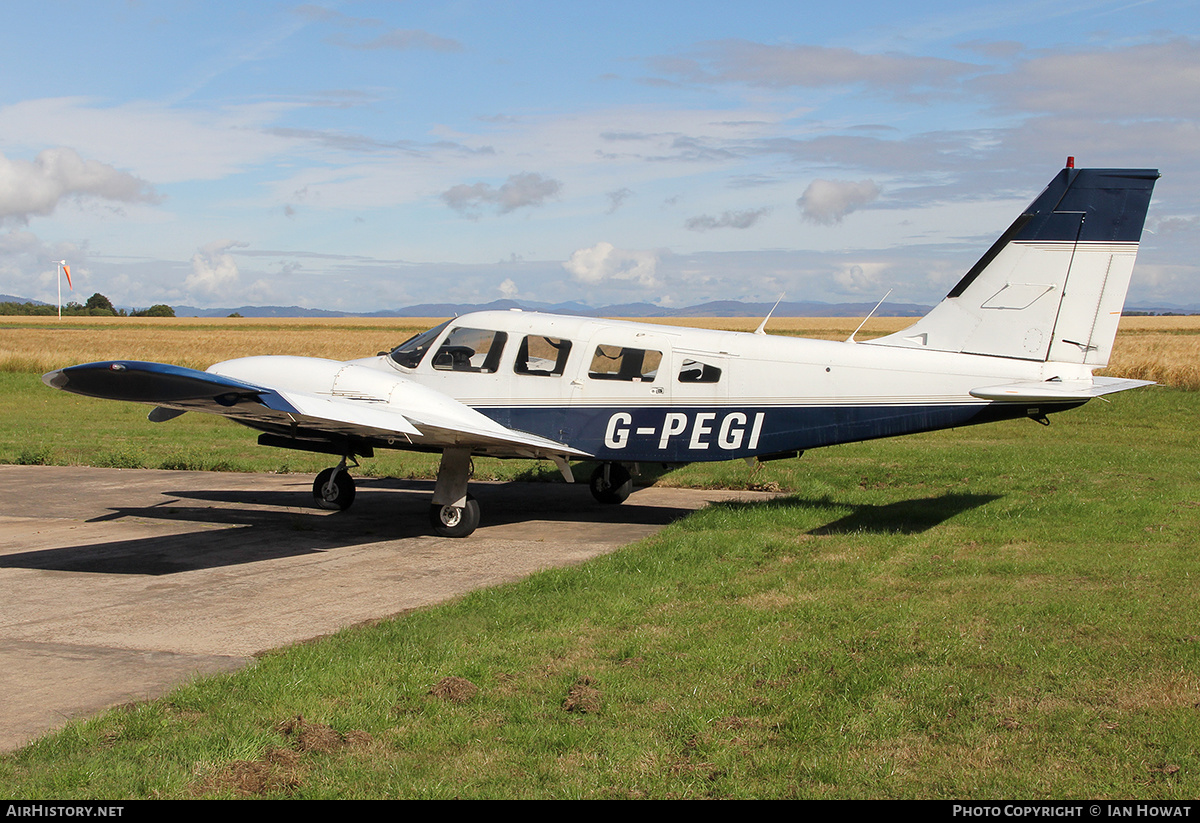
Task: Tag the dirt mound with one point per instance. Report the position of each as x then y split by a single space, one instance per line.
276 771
583 697
455 689
317 737
280 770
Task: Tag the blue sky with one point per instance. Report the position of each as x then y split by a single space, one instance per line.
368 155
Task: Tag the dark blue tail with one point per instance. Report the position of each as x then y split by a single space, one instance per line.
1053 286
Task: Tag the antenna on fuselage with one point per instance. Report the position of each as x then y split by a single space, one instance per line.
763 325
851 339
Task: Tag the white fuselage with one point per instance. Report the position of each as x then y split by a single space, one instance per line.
694 395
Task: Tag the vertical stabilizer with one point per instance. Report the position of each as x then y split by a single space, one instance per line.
1053 286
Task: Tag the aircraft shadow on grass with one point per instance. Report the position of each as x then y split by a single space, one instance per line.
252 534
901 517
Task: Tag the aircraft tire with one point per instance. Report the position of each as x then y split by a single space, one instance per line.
616 489
339 496
455 521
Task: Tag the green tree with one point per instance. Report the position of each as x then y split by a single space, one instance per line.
98 304
157 310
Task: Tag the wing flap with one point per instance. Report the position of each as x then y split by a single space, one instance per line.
426 418
346 416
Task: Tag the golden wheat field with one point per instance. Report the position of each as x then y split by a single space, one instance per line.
1163 349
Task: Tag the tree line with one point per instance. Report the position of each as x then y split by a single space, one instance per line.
96 306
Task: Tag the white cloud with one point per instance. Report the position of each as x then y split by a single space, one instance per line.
603 263
728 220
38 187
829 201
508 288
28 265
617 197
520 190
214 271
863 278
1149 80
157 142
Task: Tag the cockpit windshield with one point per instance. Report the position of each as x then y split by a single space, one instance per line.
409 353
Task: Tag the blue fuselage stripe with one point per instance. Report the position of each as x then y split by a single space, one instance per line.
674 434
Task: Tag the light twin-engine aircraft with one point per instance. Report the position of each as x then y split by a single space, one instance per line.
1018 336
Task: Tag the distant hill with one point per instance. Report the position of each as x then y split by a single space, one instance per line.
718 308
722 308
1164 308
260 311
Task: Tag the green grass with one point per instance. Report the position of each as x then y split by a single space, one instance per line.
997 611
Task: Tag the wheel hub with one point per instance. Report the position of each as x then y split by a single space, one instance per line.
451 516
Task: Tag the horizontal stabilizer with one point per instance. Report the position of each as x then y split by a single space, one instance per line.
1048 391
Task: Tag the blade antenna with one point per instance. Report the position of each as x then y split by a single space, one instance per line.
851 339
763 325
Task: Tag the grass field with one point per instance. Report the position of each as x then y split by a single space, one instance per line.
1004 611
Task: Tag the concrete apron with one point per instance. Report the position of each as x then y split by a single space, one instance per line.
119 584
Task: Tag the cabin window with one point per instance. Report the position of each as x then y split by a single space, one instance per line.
473 350
410 353
693 371
624 363
542 356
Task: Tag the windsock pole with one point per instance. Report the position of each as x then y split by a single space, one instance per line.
62 269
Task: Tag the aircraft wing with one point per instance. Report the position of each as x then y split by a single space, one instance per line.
425 418
1049 391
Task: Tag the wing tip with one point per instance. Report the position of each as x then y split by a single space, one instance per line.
55 379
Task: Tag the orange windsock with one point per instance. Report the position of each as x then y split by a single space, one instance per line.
67 272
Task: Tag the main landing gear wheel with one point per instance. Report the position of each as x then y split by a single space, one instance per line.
455 521
611 483
334 489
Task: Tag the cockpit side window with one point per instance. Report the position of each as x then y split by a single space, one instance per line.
624 363
410 353
473 350
542 356
693 371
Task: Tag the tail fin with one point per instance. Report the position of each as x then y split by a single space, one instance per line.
1053 286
